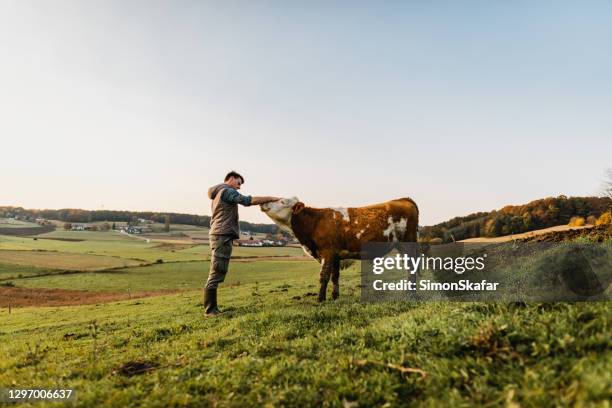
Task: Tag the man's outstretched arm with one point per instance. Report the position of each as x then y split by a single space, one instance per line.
233 196
263 199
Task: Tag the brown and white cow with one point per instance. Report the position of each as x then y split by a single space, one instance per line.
332 234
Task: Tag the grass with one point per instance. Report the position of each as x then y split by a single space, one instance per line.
12 223
204 250
183 275
10 271
102 243
86 235
276 346
64 260
273 348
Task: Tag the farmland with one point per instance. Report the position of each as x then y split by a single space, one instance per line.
138 335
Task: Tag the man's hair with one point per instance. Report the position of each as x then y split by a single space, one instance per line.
233 174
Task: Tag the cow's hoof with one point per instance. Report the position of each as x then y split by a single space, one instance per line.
321 299
335 295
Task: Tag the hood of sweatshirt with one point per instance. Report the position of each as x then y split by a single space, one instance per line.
214 190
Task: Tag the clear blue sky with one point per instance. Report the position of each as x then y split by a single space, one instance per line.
464 106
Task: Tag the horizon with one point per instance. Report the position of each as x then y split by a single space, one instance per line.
464 108
272 222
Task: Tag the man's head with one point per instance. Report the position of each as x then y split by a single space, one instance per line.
234 179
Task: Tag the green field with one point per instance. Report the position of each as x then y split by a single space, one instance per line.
183 275
64 260
271 348
276 346
12 223
12 271
119 245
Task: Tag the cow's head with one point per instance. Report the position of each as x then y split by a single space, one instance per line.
280 211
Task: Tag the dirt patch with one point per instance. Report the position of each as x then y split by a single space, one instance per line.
27 231
136 367
595 234
529 234
64 239
24 297
167 246
269 258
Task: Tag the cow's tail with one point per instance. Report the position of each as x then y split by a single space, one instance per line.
346 263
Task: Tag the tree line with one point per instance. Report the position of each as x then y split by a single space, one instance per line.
73 215
515 219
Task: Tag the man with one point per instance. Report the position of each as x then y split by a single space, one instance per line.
224 229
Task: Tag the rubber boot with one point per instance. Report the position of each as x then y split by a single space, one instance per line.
210 302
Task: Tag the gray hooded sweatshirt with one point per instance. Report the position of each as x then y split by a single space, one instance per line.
224 219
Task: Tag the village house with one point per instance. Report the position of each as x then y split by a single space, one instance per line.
130 229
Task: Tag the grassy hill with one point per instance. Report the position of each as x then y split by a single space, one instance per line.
275 345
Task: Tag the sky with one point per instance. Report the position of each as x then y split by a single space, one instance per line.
463 106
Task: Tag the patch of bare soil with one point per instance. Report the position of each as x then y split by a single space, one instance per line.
24 297
168 246
269 258
596 234
136 367
27 231
64 239
529 234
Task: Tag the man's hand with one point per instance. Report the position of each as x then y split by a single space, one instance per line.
263 200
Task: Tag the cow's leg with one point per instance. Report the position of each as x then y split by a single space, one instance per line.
335 278
326 272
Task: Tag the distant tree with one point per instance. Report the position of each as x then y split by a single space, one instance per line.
167 223
516 224
527 221
114 227
576 222
591 220
604 219
67 226
104 226
494 227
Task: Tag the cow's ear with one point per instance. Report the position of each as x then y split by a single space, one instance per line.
298 207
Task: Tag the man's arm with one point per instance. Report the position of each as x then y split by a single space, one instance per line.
231 195
263 199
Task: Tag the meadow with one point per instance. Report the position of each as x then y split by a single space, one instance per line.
275 345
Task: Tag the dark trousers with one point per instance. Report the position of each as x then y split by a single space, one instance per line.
220 253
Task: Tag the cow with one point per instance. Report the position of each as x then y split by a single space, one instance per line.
330 235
